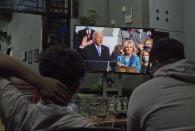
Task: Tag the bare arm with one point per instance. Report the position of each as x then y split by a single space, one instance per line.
50 89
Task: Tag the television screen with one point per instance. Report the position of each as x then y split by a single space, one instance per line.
114 48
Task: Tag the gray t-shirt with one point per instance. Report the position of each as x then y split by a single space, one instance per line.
18 114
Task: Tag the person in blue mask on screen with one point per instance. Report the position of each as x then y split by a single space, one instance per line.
148 44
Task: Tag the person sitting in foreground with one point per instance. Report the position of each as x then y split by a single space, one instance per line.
18 114
166 102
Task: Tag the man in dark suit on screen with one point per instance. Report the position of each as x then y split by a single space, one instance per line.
96 55
86 33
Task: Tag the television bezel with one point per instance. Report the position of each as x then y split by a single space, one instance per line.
122 28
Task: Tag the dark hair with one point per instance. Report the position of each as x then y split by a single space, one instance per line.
167 49
62 64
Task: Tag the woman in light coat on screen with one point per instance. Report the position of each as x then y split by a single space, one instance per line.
129 59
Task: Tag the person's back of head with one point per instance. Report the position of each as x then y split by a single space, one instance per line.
166 51
62 64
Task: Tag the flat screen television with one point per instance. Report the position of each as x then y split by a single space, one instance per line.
122 49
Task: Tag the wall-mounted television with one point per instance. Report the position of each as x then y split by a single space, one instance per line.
116 49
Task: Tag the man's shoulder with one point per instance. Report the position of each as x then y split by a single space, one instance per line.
4 82
62 115
147 93
105 47
93 46
151 86
75 119
90 46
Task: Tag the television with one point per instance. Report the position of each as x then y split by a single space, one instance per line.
114 56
